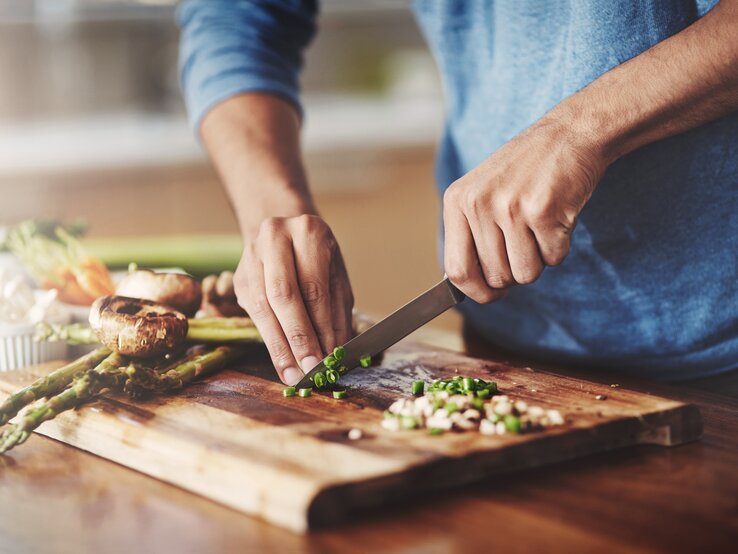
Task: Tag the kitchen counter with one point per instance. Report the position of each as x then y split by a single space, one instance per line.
681 499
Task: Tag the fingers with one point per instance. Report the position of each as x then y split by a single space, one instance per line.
553 243
313 249
285 296
294 285
460 256
342 301
525 259
251 294
492 252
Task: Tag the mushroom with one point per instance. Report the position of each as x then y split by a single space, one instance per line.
138 328
219 297
177 290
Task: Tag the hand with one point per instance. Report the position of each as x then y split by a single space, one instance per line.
293 283
514 213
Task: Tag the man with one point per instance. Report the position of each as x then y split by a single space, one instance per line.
598 135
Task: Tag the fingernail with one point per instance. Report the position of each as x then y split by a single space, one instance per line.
292 376
308 363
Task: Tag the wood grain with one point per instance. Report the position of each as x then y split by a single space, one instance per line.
233 438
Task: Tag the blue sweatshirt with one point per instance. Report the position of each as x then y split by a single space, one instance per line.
650 285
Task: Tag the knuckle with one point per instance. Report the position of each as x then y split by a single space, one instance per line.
240 279
557 256
280 354
458 274
313 226
307 222
482 296
313 291
527 275
258 306
271 226
451 194
281 290
498 280
298 338
538 215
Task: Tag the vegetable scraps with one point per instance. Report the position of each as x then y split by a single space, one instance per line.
463 404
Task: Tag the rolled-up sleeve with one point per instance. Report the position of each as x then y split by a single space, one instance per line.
228 47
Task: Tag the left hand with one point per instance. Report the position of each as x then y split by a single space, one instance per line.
513 214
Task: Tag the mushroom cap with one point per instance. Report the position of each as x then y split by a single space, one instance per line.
181 292
138 328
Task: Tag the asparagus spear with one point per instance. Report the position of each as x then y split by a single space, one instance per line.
50 385
182 372
223 335
107 374
222 322
84 387
210 330
73 334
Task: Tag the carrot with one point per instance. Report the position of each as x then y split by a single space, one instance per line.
94 277
70 292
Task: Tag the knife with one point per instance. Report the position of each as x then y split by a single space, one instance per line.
395 326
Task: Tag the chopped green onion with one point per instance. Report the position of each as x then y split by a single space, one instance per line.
452 387
288 391
456 378
408 422
451 407
342 370
478 403
418 388
332 376
319 379
483 393
329 361
435 431
468 384
492 387
512 423
338 353
339 394
305 392
389 415
365 361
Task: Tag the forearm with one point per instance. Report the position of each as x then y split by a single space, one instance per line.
681 83
253 141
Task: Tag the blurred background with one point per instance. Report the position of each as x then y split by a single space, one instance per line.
93 127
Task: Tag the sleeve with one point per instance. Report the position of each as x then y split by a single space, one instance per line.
232 46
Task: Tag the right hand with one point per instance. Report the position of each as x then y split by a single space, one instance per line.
293 283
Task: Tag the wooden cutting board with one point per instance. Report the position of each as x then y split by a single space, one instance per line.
235 439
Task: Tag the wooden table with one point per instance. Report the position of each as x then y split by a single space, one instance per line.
54 498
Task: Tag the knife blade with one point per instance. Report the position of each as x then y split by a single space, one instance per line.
395 326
